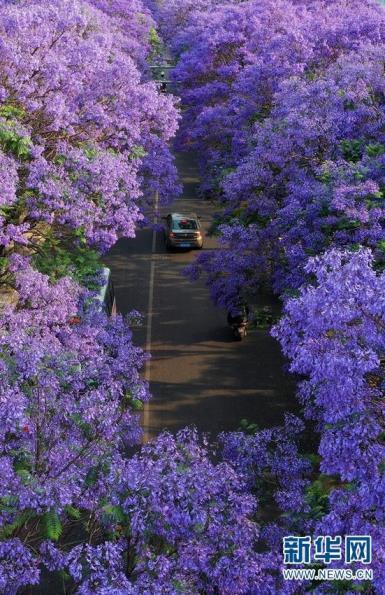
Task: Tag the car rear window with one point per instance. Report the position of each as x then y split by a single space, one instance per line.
184 224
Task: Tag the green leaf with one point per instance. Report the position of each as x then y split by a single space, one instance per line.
314 458
11 112
59 160
21 519
138 152
352 149
76 261
12 142
92 476
64 576
248 427
90 152
375 149
51 525
73 513
381 245
154 37
180 586
115 513
350 487
128 401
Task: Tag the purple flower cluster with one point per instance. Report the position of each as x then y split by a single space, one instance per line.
83 136
186 526
17 567
334 335
70 391
68 382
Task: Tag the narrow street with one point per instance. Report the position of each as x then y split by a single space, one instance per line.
199 375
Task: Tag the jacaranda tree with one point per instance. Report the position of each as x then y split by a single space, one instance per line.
86 136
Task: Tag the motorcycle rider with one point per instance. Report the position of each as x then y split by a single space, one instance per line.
238 314
163 84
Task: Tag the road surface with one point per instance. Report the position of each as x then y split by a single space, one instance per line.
198 374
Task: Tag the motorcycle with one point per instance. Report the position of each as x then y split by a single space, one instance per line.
238 321
239 330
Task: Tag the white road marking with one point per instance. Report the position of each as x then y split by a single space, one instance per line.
150 314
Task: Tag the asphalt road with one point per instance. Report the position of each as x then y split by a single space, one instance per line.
198 374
